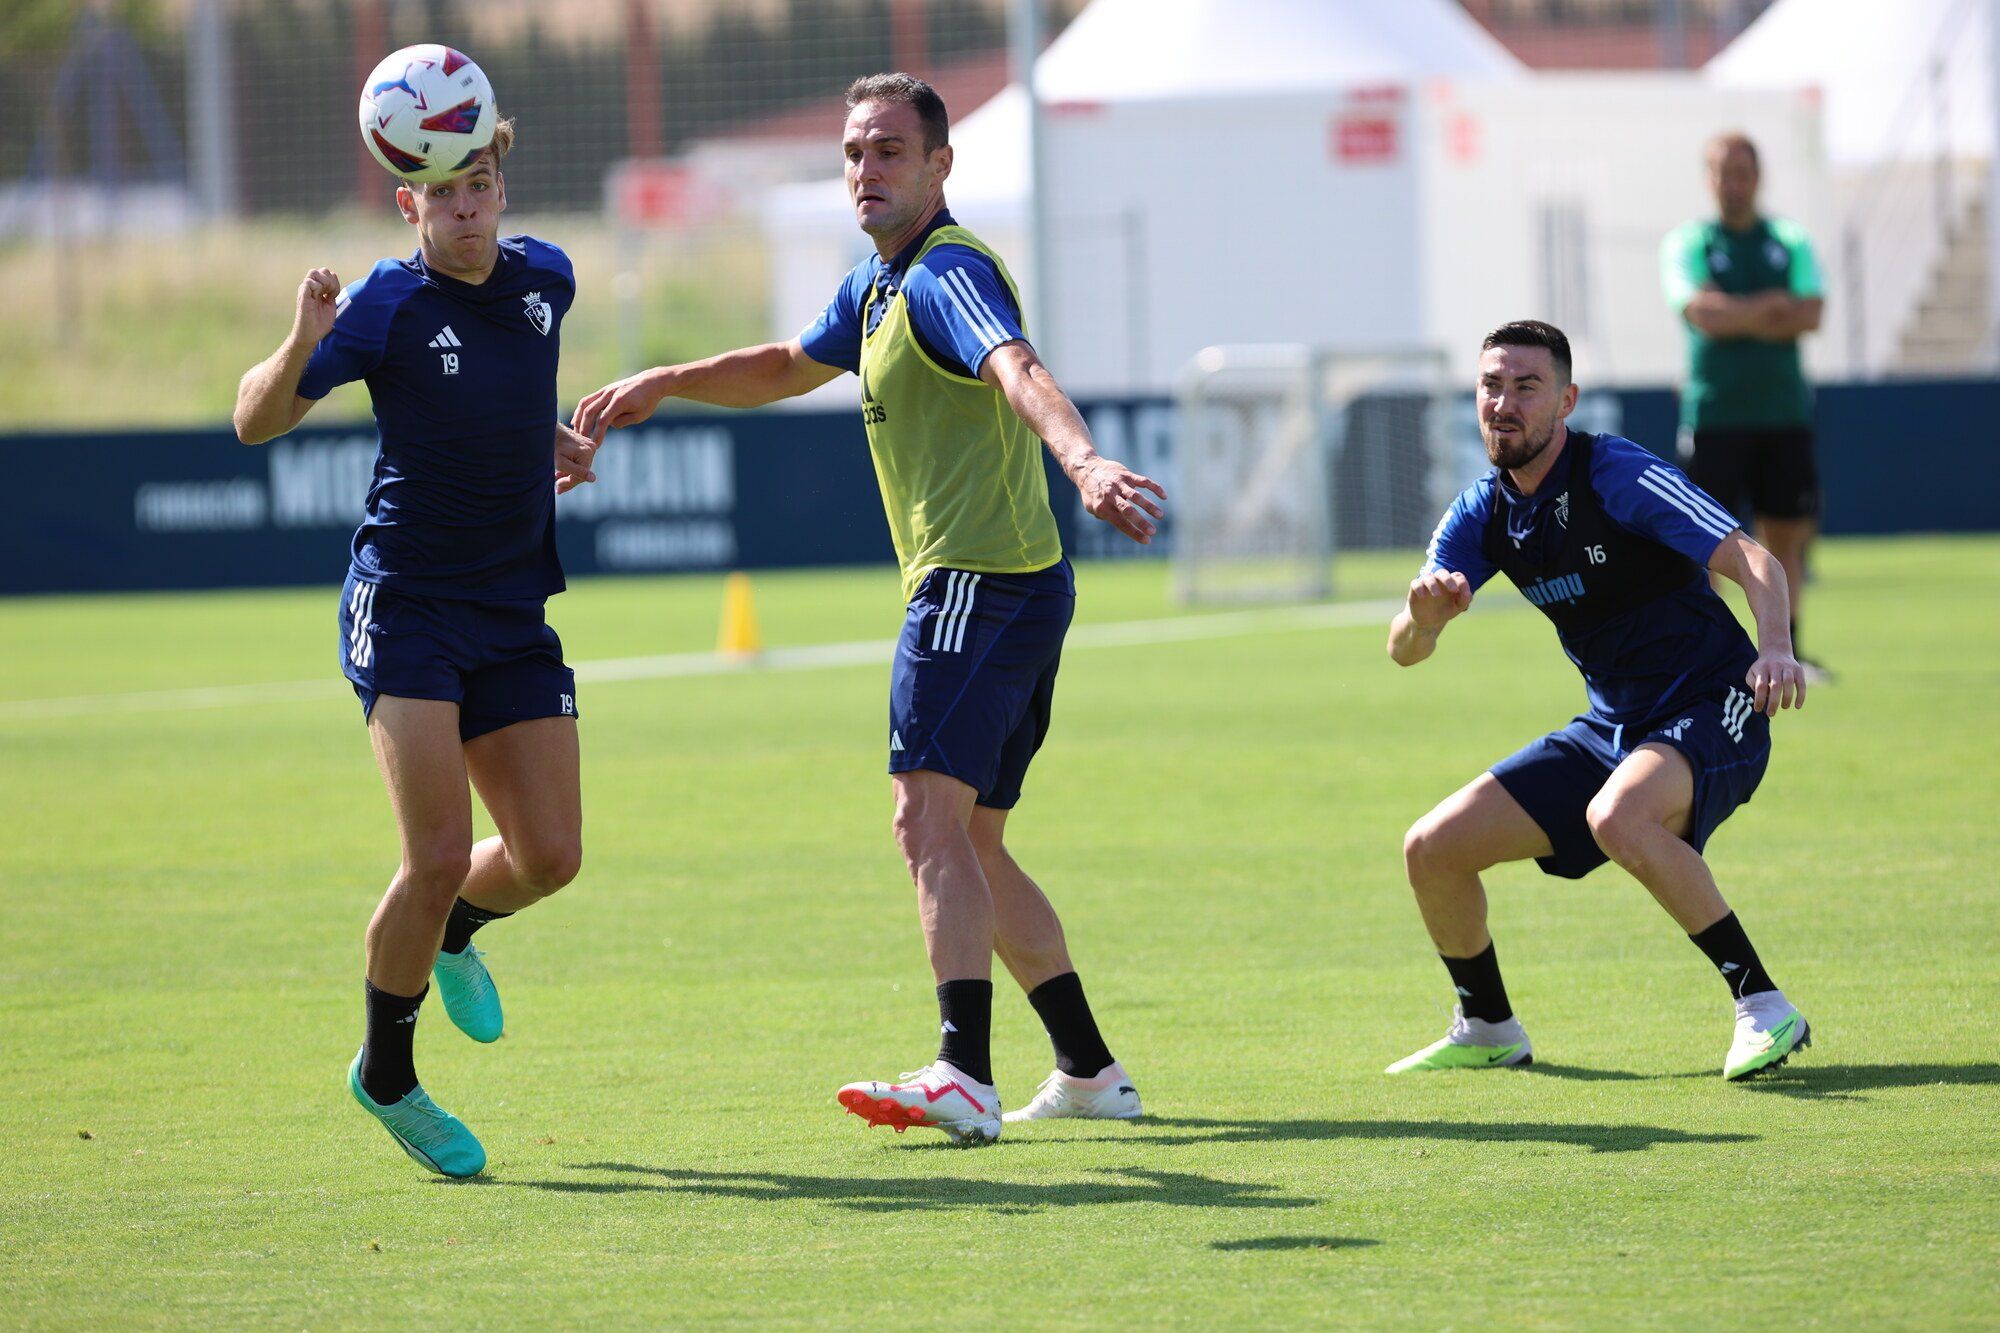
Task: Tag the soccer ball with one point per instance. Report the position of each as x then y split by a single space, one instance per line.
427 112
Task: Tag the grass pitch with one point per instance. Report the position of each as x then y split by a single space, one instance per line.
184 878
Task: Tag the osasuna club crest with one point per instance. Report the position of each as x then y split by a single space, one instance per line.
538 312
1562 509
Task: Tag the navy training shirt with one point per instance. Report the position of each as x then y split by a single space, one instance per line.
960 307
463 380
1620 558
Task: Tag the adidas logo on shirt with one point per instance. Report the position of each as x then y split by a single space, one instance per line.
446 339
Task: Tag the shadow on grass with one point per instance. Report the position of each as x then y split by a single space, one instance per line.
929 1194
1597 1138
1582 1074
1806 1079
1295 1243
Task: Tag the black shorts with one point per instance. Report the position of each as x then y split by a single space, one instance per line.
1771 467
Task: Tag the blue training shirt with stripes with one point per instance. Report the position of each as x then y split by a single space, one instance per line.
1637 661
960 307
463 381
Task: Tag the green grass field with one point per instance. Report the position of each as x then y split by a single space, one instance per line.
186 877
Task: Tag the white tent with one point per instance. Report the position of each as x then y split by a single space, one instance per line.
1131 49
1896 79
1179 132
1339 173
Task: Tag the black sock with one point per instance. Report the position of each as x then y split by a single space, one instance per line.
965 1014
464 919
388 1061
1730 950
1080 1051
1481 993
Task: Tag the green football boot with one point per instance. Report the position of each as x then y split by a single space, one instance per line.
431 1135
1471 1043
1768 1029
470 997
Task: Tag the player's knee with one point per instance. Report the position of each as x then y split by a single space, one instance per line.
436 873
1618 825
989 847
548 866
921 821
1430 847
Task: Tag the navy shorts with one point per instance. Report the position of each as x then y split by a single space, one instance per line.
1726 741
498 661
975 676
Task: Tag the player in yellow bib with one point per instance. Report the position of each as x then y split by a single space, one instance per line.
957 408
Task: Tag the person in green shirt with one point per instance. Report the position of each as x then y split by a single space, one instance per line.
957 408
1747 287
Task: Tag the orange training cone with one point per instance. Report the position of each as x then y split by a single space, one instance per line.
738 637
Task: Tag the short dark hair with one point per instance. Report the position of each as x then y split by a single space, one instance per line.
1532 333
911 91
1735 141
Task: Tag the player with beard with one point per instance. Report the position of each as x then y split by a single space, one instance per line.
957 409
1614 545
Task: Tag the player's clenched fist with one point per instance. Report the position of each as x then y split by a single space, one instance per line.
626 403
319 298
1436 596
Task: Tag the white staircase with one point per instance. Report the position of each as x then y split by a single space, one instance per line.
1951 331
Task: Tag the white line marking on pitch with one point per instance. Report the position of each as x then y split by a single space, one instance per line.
814 657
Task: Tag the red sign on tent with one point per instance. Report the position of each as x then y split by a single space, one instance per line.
653 192
1363 139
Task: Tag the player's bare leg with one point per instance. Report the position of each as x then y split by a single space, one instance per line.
955 1093
1790 539
527 777
1028 936
954 901
423 765
1640 819
1475 828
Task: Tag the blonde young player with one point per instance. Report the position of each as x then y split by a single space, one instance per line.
443 631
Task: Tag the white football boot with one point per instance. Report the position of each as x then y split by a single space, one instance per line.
939 1096
1768 1029
1109 1096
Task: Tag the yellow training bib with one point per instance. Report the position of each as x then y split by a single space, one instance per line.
961 474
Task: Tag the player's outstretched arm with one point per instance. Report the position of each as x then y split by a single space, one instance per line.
1436 595
267 398
1776 679
747 377
1110 490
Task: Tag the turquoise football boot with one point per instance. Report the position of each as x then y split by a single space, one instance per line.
431 1135
470 997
